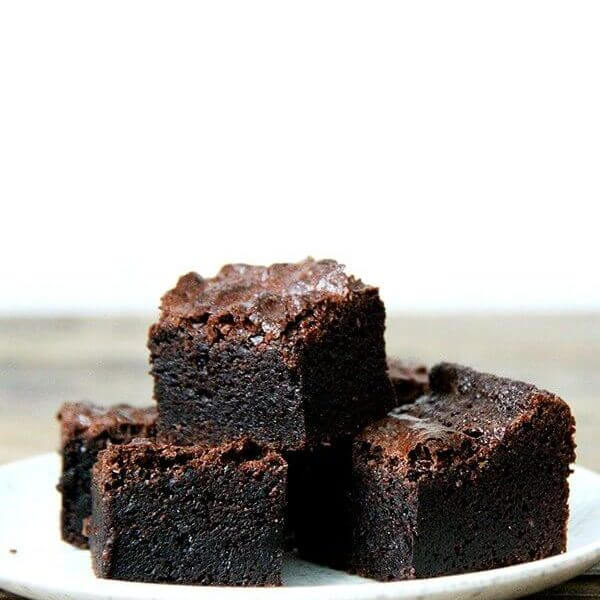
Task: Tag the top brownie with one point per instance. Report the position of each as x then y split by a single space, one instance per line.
289 354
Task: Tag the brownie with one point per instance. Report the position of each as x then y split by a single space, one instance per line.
291 355
472 476
409 379
189 515
85 430
319 480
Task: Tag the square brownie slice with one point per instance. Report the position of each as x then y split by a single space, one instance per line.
471 477
409 379
85 430
189 515
290 355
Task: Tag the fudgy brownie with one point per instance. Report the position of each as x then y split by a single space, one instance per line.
409 379
189 515
319 480
85 430
471 477
291 355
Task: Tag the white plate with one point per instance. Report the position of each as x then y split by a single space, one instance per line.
44 567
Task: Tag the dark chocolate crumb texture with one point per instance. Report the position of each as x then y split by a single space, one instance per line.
472 476
85 430
189 515
291 355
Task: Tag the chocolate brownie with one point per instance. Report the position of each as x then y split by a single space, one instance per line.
319 479
85 430
189 515
472 476
409 379
291 355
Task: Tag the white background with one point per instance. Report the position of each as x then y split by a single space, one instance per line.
448 151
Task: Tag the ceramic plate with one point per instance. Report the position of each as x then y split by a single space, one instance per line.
35 563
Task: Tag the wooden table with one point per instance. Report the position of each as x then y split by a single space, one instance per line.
44 362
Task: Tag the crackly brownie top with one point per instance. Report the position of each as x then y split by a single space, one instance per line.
89 421
146 461
477 404
464 412
264 300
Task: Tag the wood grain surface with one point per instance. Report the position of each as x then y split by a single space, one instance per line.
44 362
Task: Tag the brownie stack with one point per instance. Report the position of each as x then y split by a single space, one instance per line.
281 424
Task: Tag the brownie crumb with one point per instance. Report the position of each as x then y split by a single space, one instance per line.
189 515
